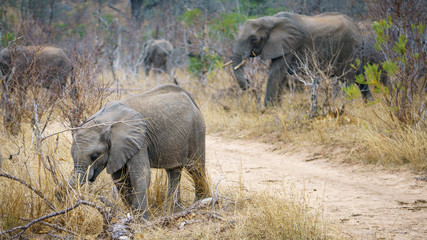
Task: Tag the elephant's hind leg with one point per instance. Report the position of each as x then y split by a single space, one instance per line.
173 195
198 174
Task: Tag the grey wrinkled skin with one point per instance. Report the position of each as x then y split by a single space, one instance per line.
157 56
281 38
161 128
43 66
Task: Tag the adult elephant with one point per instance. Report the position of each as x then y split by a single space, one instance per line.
50 64
286 38
30 66
157 56
161 128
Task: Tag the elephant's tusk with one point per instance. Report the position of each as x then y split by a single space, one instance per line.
240 64
227 64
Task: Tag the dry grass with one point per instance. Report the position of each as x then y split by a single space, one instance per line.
239 215
365 132
243 215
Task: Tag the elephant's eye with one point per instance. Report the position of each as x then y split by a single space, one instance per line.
94 156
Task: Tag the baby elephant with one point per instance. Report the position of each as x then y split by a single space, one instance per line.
161 128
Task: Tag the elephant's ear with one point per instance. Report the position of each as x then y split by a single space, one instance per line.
126 138
285 36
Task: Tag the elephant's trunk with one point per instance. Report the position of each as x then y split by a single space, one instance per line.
79 177
238 71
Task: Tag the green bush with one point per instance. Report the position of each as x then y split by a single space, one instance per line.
204 63
226 26
403 94
190 17
7 38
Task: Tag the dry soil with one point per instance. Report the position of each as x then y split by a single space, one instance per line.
368 202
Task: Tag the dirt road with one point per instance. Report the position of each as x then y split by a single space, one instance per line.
368 203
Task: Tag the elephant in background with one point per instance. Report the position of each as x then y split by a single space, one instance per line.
161 128
31 66
51 65
285 37
157 56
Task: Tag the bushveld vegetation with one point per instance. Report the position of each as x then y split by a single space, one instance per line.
105 41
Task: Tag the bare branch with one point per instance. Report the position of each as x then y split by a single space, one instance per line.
38 192
78 203
119 11
59 228
163 221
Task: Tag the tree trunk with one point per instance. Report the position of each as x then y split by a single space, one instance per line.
136 6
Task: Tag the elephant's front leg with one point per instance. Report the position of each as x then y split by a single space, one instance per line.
139 175
122 181
276 81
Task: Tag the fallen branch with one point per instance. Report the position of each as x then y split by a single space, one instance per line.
163 221
38 192
59 228
78 203
313 158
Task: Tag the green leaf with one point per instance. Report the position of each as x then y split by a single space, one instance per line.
352 92
360 79
7 38
400 47
390 67
191 17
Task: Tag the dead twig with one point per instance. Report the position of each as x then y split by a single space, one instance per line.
164 221
59 228
38 192
105 215
313 158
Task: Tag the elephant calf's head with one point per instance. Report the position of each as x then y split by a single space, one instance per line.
113 136
90 151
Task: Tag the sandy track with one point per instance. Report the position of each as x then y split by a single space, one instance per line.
368 203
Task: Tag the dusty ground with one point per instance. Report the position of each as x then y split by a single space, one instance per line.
368 202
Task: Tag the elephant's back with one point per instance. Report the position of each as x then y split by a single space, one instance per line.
164 94
167 105
54 52
328 23
175 125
